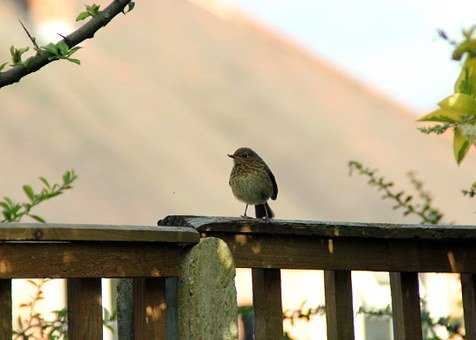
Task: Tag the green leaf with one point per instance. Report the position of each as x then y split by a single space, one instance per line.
82 16
37 218
44 181
66 177
29 192
468 46
2 66
63 48
73 50
452 109
93 10
460 145
466 82
442 116
459 102
76 61
17 53
51 49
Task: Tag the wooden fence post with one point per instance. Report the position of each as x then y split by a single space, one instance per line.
206 294
5 308
339 309
267 303
406 306
84 309
468 290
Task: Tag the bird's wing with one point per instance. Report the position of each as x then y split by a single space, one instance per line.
273 181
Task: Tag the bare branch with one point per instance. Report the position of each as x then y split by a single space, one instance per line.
84 32
33 40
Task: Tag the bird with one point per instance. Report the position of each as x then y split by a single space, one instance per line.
252 182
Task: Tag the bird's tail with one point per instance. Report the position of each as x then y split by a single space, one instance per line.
263 210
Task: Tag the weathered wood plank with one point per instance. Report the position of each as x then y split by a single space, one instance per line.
5 309
86 232
406 306
335 230
81 259
468 290
339 309
84 309
267 304
150 308
309 252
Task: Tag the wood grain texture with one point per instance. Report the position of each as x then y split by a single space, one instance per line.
335 230
81 259
150 309
339 309
5 309
267 304
406 306
468 290
310 252
87 232
84 309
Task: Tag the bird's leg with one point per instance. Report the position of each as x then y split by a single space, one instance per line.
244 215
266 217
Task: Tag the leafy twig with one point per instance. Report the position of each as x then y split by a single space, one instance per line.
13 211
442 34
429 325
42 58
437 129
471 192
303 313
422 209
91 11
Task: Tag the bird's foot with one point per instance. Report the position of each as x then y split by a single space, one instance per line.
266 219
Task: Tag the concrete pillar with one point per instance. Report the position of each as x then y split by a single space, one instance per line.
206 296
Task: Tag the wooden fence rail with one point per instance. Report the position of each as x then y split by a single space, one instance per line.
338 249
84 254
151 261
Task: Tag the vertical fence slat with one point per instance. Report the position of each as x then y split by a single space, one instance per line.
267 304
150 308
5 309
468 290
84 309
406 306
339 309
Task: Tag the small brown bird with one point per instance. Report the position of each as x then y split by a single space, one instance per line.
252 182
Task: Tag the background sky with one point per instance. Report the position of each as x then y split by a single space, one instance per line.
391 45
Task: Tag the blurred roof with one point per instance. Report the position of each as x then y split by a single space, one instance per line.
165 92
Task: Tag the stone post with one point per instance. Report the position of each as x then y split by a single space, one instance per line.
206 295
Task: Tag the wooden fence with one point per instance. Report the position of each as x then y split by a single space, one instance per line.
339 248
84 254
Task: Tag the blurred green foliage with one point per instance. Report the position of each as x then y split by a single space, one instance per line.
458 111
14 211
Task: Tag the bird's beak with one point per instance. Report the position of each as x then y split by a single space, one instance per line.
231 156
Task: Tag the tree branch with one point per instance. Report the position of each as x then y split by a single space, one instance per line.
84 32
